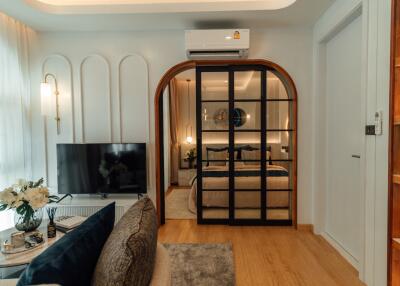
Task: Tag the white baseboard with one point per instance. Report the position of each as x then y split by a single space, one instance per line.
347 255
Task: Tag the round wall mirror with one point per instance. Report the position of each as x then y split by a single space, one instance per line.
239 117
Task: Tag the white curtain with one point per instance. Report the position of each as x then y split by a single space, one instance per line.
15 142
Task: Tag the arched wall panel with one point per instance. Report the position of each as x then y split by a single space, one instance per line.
96 100
102 114
61 68
133 99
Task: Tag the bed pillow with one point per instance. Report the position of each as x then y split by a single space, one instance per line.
72 259
251 155
128 257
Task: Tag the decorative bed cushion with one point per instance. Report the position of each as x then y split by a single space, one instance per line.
129 254
72 259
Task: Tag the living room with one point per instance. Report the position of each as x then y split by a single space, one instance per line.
275 112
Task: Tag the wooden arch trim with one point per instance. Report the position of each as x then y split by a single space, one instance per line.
187 65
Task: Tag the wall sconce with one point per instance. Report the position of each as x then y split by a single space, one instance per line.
46 99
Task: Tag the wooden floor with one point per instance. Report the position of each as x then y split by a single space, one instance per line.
270 256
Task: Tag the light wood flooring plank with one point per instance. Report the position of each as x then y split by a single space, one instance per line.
270 256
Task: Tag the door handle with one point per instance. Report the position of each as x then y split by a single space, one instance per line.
356 156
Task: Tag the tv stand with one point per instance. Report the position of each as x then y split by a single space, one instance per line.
88 205
104 196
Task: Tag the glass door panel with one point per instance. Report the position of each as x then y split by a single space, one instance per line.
247 115
215 115
247 127
214 86
247 205
214 150
279 146
276 89
279 115
247 148
244 137
247 85
212 93
279 190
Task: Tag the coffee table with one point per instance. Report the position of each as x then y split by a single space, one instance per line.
25 257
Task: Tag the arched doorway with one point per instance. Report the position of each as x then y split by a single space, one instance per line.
159 116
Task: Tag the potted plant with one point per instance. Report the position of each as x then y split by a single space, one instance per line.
27 198
190 156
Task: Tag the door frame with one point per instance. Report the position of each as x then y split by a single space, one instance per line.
159 119
337 18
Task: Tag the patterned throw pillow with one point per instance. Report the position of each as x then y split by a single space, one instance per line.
128 257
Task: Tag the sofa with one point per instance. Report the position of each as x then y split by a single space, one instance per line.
98 253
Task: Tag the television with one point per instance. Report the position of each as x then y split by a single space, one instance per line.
101 168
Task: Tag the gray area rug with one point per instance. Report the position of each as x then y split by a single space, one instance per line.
201 264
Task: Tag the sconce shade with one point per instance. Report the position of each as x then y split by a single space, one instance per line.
189 139
46 99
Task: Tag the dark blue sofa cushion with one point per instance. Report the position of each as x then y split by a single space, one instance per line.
71 260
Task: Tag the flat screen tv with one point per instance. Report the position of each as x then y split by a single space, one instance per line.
101 168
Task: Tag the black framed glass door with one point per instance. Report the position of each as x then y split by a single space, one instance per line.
243 146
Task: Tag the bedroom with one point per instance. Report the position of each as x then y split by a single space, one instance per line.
298 187
180 123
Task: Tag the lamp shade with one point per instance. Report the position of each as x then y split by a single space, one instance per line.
46 99
189 139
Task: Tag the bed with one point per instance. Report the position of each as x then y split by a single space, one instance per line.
277 179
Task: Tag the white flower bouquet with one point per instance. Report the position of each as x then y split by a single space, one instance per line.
190 156
26 197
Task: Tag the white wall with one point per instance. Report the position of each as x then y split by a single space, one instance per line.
375 54
289 47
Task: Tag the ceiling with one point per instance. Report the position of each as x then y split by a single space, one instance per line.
154 6
301 13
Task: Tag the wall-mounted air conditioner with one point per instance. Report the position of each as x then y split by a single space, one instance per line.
217 44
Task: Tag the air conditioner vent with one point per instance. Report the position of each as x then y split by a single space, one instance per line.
239 54
217 44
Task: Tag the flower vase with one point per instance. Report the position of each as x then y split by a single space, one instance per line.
28 221
191 164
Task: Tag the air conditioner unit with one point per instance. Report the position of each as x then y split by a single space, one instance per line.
217 44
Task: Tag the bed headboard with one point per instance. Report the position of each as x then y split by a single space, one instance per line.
274 150
237 149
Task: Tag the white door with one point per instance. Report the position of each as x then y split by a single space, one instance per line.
344 139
